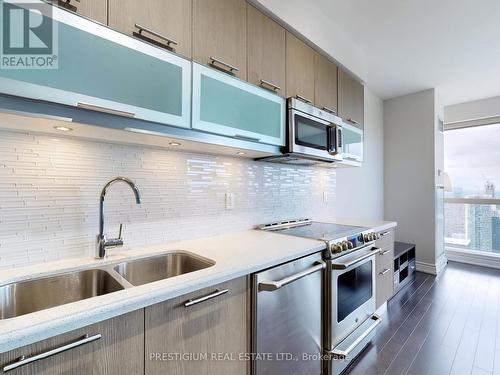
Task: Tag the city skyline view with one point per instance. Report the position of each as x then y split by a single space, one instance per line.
472 158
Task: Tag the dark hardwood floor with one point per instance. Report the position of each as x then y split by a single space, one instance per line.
444 325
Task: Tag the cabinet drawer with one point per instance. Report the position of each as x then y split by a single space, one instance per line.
228 106
114 346
385 286
384 260
386 240
104 70
208 322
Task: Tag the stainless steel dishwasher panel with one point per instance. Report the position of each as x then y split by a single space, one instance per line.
287 313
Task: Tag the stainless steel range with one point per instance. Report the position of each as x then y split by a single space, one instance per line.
349 319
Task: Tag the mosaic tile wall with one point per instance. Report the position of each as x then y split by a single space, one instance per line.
49 191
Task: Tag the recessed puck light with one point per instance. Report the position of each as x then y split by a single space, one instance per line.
241 153
63 128
174 144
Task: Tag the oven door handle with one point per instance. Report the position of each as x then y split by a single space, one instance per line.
346 265
341 352
271 286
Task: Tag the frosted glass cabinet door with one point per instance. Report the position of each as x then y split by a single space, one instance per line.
352 143
102 69
228 106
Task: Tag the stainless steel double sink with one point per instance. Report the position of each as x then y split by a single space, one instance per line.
25 297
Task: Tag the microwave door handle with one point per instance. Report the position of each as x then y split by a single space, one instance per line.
338 129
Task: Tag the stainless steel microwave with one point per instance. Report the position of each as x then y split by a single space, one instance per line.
313 136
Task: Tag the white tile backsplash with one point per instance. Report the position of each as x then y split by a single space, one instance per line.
50 186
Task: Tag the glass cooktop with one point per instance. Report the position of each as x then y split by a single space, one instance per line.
322 231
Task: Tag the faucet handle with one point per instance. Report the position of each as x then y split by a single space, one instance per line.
120 232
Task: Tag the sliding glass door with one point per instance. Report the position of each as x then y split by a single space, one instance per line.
472 189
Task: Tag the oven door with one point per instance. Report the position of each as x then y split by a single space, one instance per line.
310 135
352 292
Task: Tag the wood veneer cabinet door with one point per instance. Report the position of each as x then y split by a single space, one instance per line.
119 351
299 68
216 326
169 18
220 32
266 51
325 83
351 99
96 10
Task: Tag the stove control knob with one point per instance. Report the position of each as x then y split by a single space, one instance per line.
372 236
366 238
350 245
377 236
336 249
345 246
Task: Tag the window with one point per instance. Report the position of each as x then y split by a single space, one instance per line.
472 181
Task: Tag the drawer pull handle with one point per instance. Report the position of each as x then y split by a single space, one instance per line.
270 286
246 138
385 252
352 121
210 296
98 108
384 272
304 99
328 109
22 361
232 68
384 234
66 4
263 82
154 33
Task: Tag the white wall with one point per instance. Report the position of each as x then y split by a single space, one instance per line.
360 191
313 24
478 109
409 126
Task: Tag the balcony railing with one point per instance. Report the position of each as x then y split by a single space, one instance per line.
472 224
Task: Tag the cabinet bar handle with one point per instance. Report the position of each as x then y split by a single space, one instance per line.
385 234
66 4
384 272
304 99
328 109
272 85
352 121
231 68
385 252
196 301
99 108
270 286
246 138
152 32
22 361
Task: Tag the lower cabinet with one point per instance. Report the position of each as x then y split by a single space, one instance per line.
202 333
384 267
114 346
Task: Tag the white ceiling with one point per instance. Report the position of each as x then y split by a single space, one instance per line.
412 45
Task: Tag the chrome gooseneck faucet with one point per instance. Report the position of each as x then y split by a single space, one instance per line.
102 241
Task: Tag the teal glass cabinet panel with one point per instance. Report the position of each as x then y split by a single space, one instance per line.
228 106
99 68
352 143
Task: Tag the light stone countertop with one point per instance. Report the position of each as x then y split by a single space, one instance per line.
235 254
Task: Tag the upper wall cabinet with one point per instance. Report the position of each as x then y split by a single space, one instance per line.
325 84
103 70
220 33
93 9
266 51
299 69
351 99
166 23
229 106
